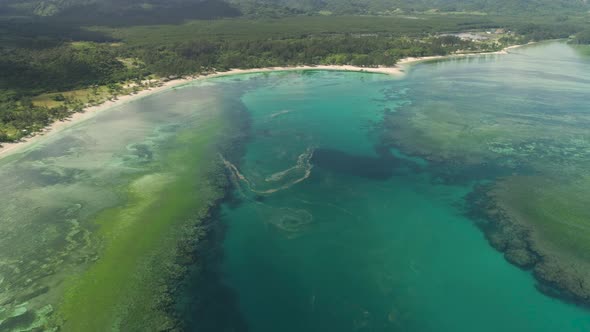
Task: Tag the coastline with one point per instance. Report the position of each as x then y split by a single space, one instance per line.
413 60
7 149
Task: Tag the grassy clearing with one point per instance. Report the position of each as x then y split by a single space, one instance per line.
85 96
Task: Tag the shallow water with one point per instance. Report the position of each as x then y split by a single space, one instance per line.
328 227
372 239
85 211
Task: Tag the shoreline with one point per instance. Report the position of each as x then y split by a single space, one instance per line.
7 149
413 60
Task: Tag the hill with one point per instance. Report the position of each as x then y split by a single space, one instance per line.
218 8
443 6
118 12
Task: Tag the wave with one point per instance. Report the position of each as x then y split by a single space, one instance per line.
279 113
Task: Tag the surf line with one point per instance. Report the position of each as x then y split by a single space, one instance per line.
303 162
279 113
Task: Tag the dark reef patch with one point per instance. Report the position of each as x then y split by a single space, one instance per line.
554 278
505 236
203 301
200 299
376 168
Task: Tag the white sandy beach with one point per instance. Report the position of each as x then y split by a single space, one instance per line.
412 60
398 70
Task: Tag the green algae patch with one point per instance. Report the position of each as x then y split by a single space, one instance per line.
552 224
126 288
88 223
557 210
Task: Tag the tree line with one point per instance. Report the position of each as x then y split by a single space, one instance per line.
45 61
30 71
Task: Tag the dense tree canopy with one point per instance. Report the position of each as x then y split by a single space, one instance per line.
583 37
170 9
380 7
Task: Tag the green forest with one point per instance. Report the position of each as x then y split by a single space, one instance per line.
54 52
260 8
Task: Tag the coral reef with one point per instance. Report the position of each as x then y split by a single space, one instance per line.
528 141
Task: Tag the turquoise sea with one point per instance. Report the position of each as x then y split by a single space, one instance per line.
330 221
327 230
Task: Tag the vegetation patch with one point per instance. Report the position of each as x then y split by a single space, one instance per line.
127 288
